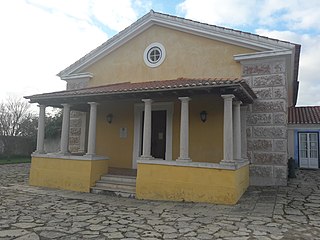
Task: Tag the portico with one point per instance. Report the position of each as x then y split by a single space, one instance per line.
221 151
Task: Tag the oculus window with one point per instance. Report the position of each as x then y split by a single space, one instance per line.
154 55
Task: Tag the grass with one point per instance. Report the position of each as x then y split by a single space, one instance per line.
14 160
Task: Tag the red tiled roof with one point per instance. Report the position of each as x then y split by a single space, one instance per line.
304 115
180 83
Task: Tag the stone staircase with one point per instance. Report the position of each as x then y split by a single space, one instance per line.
119 185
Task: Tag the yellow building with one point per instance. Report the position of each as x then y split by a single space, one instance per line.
181 106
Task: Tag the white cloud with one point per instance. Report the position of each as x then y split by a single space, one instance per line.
297 14
297 20
39 41
115 14
40 38
229 12
309 63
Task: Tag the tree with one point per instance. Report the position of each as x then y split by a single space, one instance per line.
17 121
53 124
16 118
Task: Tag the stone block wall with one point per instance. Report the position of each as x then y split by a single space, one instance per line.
77 132
267 122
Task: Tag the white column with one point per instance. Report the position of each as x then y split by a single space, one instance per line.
243 111
92 129
64 145
146 148
227 128
41 128
184 130
236 130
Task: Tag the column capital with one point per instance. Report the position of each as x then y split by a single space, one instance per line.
42 106
147 100
243 107
227 96
236 103
66 105
184 99
93 103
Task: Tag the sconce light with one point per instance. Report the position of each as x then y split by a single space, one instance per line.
203 116
109 118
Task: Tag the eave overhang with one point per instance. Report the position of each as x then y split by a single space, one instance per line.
154 89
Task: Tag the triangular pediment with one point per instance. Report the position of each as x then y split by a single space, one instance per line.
259 44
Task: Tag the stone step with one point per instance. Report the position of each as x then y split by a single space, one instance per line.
116 186
112 192
114 182
118 178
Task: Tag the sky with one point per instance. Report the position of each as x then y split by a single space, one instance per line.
39 38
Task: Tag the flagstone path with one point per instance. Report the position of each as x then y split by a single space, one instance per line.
28 213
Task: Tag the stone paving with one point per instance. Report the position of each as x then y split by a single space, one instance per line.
27 212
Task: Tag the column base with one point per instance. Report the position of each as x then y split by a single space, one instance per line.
236 163
179 159
39 152
228 162
90 154
64 153
146 158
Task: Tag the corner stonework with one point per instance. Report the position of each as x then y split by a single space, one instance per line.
266 121
78 120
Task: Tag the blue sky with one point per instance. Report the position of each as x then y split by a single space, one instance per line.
42 37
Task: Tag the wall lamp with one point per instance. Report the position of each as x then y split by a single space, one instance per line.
203 116
109 118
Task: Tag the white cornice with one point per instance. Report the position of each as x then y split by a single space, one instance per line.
265 54
77 76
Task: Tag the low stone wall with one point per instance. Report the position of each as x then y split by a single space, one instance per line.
15 145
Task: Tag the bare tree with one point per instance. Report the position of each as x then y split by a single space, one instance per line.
16 119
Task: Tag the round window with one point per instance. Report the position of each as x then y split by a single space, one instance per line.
154 55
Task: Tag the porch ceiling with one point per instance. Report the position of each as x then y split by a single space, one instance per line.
152 89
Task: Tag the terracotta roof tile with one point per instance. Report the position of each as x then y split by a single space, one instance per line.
304 115
152 86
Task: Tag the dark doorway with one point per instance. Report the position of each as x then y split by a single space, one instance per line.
158 133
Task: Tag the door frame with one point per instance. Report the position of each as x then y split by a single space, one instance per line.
138 109
298 146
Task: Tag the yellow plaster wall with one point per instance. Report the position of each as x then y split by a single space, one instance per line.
205 139
108 143
187 55
75 175
191 184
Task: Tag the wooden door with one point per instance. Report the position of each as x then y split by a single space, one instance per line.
158 133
